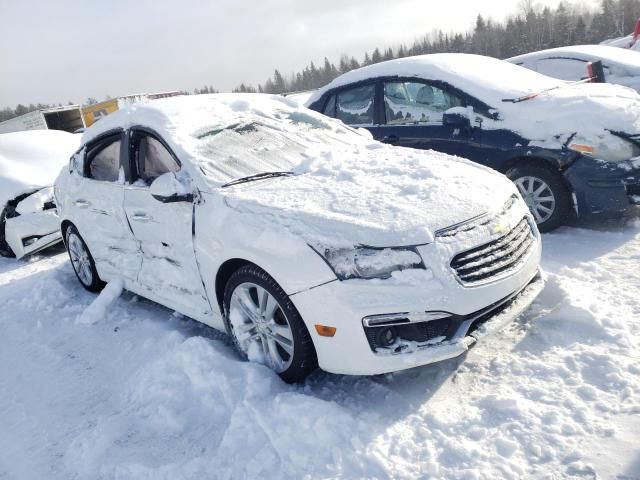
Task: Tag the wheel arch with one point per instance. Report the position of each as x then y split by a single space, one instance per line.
537 161
226 269
64 226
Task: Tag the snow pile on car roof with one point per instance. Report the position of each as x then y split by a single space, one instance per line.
343 178
32 159
549 119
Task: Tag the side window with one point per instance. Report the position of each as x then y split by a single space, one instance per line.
103 160
153 159
563 68
416 102
355 106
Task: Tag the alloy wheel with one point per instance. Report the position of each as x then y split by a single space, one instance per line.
260 326
80 259
538 196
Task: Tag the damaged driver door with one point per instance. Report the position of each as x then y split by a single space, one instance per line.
163 226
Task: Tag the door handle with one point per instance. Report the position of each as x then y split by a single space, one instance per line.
82 203
391 139
141 217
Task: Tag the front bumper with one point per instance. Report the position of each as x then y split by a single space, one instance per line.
481 310
32 232
605 190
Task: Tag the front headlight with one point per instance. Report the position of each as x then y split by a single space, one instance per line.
370 262
610 148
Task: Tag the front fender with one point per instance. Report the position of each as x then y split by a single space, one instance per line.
222 234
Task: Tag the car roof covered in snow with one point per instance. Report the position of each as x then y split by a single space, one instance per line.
227 136
32 159
625 58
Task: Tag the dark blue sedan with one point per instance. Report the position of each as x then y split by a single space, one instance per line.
573 150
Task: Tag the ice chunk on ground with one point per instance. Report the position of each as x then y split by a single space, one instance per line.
98 308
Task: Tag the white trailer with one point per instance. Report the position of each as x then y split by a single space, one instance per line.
67 118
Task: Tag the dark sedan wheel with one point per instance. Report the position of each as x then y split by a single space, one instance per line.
82 261
544 193
266 326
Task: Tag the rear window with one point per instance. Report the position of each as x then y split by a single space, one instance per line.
355 106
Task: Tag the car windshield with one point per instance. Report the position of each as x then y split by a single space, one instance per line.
259 146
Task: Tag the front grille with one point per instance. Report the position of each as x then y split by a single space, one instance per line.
496 257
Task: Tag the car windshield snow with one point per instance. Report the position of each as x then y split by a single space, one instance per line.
252 148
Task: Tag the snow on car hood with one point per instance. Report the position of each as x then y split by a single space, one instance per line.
549 119
32 159
346 185
590 110
373 195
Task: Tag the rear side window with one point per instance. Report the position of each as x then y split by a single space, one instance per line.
416 102
355 106
153 158
103 160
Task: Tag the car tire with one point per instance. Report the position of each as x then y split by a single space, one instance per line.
266 326
81 261
544 193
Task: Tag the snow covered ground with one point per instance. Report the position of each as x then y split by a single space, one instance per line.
126 389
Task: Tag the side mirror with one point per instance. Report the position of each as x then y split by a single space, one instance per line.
456 119
167 189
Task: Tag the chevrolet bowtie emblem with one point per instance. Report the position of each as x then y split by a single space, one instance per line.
500 228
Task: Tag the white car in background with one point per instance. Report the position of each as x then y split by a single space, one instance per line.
631 42
621 67
306 240
29 164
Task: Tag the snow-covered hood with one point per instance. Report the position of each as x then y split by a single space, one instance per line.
589 110
32 159
401 197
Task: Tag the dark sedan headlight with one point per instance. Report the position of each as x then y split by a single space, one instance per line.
370 262
611 148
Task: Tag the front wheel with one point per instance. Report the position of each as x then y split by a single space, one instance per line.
82 261
544 193
265 325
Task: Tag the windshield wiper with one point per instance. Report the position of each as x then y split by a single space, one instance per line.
257 176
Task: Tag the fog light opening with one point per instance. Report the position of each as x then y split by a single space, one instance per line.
386 337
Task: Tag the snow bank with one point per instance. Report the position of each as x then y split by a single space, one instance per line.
32 159
145 395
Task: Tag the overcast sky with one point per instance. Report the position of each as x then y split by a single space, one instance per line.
61 50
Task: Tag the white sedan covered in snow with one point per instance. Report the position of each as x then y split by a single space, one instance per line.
307 241
621 67
29 164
